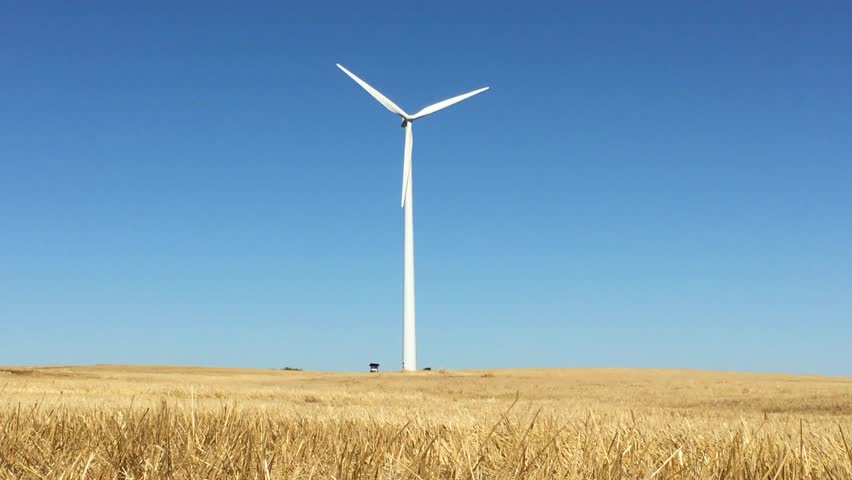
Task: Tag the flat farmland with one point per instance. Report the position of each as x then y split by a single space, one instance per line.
109 422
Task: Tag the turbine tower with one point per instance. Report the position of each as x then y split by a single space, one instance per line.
409 346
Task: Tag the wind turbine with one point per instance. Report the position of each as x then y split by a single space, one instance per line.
409 346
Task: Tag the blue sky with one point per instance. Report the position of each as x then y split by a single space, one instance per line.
645 185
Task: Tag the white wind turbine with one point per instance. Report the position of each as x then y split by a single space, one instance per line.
409 346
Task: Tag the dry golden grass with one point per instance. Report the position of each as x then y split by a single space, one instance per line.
157 422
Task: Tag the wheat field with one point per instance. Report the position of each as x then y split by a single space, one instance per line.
115 422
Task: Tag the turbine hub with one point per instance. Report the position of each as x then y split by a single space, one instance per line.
404 122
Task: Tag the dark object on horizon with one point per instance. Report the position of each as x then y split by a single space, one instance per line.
374 368
428 369
291 369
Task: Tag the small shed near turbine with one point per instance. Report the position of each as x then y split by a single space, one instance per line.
374 368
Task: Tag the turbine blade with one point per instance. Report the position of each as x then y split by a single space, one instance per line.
375 93
446 103
406 165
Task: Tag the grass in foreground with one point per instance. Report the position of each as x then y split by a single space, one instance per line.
136 422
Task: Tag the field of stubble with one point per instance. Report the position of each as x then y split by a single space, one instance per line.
157 422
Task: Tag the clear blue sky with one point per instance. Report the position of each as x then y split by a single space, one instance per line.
654 185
